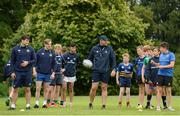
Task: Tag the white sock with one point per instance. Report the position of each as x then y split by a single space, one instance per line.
44 102
13 106
27 105
37 102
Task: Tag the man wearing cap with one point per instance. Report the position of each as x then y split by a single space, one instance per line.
104 60
22 60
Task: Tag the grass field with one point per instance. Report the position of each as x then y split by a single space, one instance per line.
81 108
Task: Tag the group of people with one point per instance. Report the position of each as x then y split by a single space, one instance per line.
55 69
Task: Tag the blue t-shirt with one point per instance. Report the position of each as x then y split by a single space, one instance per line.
125 70
166 59
139 64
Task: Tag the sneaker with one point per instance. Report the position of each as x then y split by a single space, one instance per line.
28 108
165 108
11 108
8 101
61 103
64 105
151 107
44 106
171 109
103 107
51 104
36 106
158 109
90 106
140 108
147 107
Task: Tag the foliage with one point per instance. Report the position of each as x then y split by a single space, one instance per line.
80 21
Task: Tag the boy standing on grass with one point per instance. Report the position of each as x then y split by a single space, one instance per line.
63 90
123 78
165 75
6 79
139 63
146 73
22 60
43 71
71 59
57 80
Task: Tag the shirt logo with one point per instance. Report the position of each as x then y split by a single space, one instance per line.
106 52
122 66
27 50
19 50
68 58
97 51
50 55
43 53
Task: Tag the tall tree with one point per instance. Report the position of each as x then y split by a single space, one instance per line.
80 21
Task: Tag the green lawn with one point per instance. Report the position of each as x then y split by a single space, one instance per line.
81 108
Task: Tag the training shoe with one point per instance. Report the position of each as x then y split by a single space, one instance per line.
11 108
8 101
44 106
165 108
61 103
158 109
90 106
171 109
36 106
140 108
28 108
103 107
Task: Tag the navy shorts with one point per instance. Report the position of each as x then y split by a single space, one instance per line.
57 81
23 79
125 82
43 77
100 77
164 81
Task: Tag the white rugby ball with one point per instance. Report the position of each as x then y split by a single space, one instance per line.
87 63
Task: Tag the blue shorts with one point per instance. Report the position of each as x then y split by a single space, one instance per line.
97 77
23 79
125 82
43 77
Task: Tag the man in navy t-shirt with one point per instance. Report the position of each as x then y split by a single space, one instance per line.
165 74
22 60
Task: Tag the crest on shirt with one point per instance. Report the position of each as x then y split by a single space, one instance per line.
68 58
74 58
19 50
122 66
27 50
43 53
50 55
97 51
106 52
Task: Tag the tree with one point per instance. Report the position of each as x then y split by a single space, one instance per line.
80 21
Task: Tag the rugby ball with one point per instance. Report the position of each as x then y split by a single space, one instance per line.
87 63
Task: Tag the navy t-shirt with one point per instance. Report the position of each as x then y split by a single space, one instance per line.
71 61
125 70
